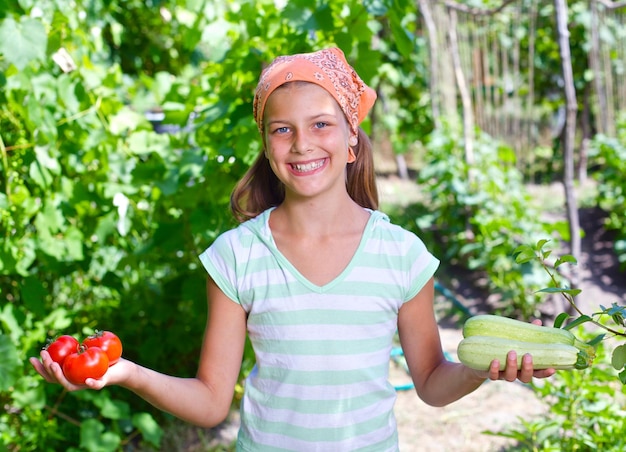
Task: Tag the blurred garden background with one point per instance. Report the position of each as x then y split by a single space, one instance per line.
124 125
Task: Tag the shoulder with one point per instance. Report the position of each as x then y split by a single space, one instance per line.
245 234
399 245
392 234
401 251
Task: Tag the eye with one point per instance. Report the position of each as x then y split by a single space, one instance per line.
280 130
321 124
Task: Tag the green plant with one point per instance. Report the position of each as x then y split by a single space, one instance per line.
609 154
585 411
122 133
610 320
476 214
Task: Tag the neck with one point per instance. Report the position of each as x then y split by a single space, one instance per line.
318 217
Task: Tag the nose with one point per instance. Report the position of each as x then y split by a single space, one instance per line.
301 143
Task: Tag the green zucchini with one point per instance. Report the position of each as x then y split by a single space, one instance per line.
477 352
506 328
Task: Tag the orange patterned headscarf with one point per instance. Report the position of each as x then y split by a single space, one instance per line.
327 68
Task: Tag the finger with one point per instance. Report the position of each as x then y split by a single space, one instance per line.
92 383
494 370
510 372
41 370
51 368
526 372
46 359
544 373
55 371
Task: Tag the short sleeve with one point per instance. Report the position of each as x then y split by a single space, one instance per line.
423 266
220 263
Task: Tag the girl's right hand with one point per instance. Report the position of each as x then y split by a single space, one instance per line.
52 373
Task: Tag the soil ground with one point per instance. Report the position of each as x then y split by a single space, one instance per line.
496 406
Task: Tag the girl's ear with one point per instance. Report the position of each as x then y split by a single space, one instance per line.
351 155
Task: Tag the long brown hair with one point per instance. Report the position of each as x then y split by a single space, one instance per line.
259 188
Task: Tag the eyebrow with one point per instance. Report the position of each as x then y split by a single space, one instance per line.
311 118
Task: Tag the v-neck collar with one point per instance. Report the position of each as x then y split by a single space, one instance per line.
262 229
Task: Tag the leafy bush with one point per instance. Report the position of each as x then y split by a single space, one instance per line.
609 158
585 411
586 407
102 218
477 215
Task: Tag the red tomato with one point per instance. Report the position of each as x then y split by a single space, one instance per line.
88 362
108 342
62 347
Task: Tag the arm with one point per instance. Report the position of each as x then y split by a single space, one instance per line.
437 381
204 400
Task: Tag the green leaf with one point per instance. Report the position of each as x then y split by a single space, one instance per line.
124 121
10 364
74 240
23 42
560 319
524 254
46 160
541 243
149 428
113 409
402 38
572 292
618 358
40 175
11 319
596 340
29 393
34 295
93 439
144 142
578 321
565 259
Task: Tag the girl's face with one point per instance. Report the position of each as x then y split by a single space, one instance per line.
306 140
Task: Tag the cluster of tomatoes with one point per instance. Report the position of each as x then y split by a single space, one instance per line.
89 359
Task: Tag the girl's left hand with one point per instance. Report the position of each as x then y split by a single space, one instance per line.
525 374
511 373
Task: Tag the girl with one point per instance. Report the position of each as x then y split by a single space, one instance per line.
319 280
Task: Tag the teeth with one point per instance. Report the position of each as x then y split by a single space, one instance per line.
304 167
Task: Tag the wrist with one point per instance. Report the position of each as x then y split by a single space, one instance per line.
475 376
126 375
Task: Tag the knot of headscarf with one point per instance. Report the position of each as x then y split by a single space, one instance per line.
327 68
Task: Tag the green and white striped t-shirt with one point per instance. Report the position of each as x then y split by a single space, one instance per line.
321 378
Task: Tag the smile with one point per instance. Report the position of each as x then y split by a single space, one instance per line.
307 167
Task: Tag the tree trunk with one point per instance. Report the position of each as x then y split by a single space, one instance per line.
448 100
569 136
461 83
530 99
598 76
435 97
587 136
